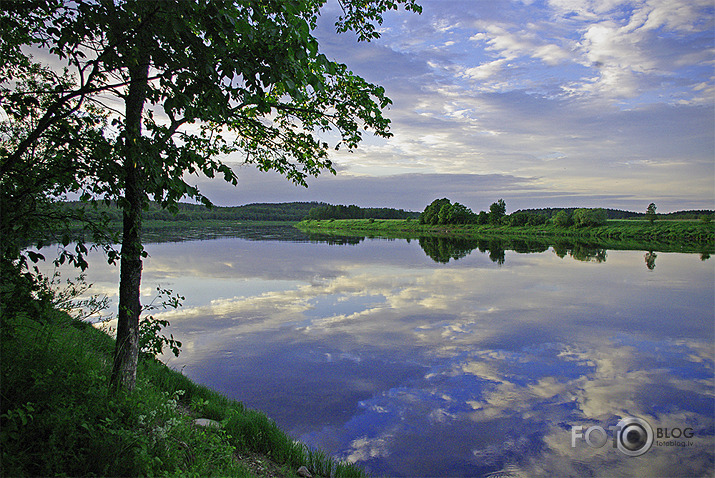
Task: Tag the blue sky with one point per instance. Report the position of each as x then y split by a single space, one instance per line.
552 103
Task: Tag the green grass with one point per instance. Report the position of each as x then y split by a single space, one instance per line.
58 419
692 236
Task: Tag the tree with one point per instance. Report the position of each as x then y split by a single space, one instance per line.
563 218
197 80
496 211
482 217
431 213
62 159
519 219
444 215
650 213
537 219
460 214
589 217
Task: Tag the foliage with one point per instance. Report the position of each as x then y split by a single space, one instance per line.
431 213
563 218
290 211
589 217
526 219
41 162
56 418
650 212
482 217
691 236
458 214
620 214
496 211
442 211
329 211
224 65
151 342
198 81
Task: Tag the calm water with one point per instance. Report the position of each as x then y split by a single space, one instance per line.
431 358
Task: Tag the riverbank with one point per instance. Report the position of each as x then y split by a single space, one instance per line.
57 418
615 234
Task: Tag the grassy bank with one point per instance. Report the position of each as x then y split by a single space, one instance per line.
58 419
664 235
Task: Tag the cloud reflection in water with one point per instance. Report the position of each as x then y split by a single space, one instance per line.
411 367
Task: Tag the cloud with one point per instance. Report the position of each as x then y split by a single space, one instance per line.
408 191
512 45
579 103
446 349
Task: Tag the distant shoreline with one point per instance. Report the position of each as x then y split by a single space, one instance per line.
635 234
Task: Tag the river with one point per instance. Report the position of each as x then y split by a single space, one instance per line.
439 358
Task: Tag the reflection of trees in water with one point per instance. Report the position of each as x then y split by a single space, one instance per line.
335 240
439 249
442 249
588 253
581 251
525 246
561 249
497 255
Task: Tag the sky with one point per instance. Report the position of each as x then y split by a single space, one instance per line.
554 103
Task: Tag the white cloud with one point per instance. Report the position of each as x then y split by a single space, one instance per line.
486 71
516 82
510 45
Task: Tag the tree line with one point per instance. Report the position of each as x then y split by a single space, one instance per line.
690 214
442 249
288 211
330 211
443 211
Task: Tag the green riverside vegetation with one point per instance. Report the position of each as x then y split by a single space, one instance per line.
442 218
616 234
58 419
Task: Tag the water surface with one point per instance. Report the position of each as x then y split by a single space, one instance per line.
421 358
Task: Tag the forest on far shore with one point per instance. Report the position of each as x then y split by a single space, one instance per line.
298 211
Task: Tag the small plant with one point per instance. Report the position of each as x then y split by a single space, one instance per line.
68 298
151 341
13 421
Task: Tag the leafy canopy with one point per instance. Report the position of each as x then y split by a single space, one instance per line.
225 76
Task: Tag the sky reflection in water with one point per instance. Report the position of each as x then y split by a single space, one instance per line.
380 355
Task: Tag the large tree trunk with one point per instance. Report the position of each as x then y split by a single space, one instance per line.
126 352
